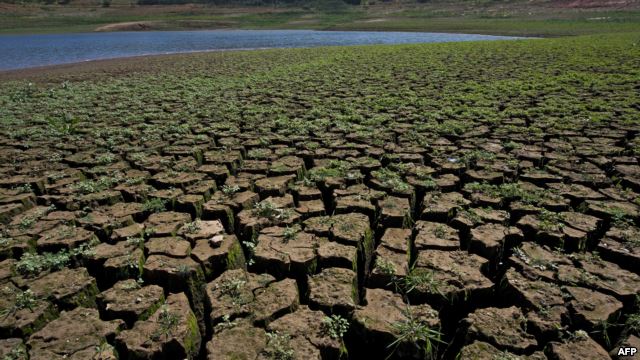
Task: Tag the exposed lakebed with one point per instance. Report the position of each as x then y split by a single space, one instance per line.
451 201
25 51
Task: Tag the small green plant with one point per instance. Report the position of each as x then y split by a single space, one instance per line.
510 191
192 227
428 183
229 190
550 221
23 300
470 158
23 93
17 353
167 323
64 124
579 335
305 181
138 157
603 327
620 218
633 322
154 205
279 346
54 158
149 231
385 267
233 288
105 159
251 249
536 262
505 355
260 153
335 169
413 330
391 179
451 127
347 226
440 231
134 181
407 220
26 222
268 210
264 141
423 279
510 145
183 270
104 349
335 326
24 188
135 241
472 215
33 264
93 186
132 262
225 324
5 239
132 285
291 232
265 209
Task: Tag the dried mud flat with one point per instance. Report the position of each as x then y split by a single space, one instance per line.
477 201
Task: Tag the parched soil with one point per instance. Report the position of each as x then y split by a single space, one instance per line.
471 201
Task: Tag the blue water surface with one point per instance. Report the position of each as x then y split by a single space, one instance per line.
25 51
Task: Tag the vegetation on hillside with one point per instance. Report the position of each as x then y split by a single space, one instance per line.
530 18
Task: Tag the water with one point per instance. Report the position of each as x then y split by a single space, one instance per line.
25 51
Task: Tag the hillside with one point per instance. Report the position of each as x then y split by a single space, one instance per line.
519 17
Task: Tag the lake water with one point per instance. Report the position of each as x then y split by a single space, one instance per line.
24 51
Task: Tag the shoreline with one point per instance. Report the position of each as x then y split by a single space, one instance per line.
83 66
7 73
119 58
356 29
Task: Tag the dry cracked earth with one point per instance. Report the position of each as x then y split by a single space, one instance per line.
215 241
258 251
